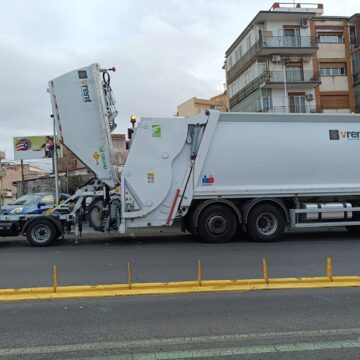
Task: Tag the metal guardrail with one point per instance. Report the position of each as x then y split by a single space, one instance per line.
247 90
301 109
292 76
288 42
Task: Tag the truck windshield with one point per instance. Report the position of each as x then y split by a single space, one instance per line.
26 199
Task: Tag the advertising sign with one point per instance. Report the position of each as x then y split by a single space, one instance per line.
36 147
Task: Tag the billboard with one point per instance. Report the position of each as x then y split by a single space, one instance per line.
36 147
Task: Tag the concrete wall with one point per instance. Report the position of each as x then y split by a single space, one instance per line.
334 83
331 51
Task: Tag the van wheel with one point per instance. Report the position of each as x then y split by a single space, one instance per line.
266 222
41 233
217 224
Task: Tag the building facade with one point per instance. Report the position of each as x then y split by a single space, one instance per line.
195 105
291 58
12 174
336 38
354 22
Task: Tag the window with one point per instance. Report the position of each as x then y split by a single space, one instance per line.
294 73
297 104
261 68
336 39
248 42
291 32
352 35
47 200
266 103
332 71
229 62
238 53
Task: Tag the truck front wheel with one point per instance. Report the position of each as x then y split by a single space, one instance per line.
41 233
266 222
217 224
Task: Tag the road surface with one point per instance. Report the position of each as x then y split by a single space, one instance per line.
172 257
316 324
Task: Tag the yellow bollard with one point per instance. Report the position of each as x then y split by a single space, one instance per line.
265 271
199 273
55 278
329 270
129 275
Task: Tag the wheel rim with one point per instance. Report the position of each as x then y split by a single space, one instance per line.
217 224
266 223
41 233
95 214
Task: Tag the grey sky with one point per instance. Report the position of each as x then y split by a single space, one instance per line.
166 51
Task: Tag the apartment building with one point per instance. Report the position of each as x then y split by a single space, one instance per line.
336 40
195 105
292 58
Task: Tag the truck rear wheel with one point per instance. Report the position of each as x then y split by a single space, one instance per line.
266 222
217 224
41 233
94 213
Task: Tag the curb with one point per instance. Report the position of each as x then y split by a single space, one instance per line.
185 287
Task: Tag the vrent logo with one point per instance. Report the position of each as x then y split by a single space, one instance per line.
344 135
85 91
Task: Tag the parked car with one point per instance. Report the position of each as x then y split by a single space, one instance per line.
35 203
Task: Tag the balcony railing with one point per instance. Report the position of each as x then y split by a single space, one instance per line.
288 42
247 90
292 75
270 42
301 109
276 77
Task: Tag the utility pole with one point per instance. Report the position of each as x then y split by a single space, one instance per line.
22 177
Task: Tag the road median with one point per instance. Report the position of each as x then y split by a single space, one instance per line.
86 291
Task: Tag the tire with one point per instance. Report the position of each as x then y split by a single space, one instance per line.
41 233
266 223
94 213
217 224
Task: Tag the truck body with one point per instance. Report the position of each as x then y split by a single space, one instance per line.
216 172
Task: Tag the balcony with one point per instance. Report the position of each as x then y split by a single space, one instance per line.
281 45
293 78
307 79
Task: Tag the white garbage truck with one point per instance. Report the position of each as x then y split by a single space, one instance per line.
216 173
